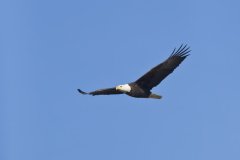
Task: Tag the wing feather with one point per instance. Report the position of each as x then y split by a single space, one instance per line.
161 71
106 91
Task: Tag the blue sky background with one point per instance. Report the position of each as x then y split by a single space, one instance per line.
49 48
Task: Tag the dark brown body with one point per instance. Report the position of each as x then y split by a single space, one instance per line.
137 91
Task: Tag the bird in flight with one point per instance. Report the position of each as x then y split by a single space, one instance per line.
141 88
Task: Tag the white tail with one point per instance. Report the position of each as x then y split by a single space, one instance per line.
155 96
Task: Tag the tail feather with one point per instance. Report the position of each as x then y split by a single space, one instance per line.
155 96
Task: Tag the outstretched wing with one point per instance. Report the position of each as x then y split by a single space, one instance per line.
106 91
161 71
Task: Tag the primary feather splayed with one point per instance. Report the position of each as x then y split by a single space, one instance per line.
141 88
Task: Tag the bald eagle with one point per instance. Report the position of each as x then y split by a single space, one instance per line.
141 88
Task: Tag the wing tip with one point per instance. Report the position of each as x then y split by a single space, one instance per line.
182 51
80 91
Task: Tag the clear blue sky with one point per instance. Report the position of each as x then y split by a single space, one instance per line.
49 48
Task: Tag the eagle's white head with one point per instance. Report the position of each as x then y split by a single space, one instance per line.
124 88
